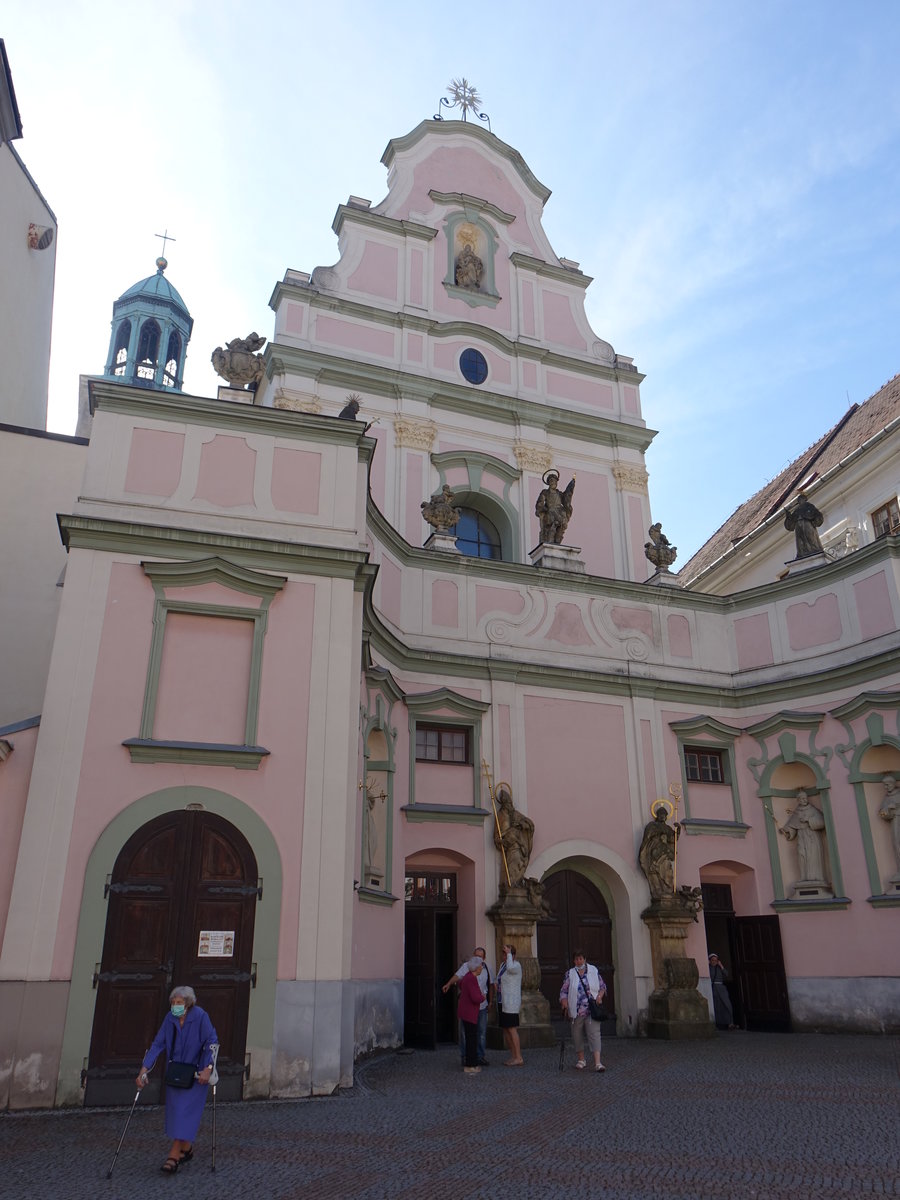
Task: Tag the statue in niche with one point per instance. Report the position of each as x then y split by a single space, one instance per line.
554 508
805 826
374 816
468 269
803 520
238 362
440 511
659 550
657 853
513 837
890 811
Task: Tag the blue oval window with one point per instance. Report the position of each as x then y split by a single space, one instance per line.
473 365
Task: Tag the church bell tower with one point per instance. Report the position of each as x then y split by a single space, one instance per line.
151 328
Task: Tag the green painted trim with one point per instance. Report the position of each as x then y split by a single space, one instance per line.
704 724
515 410
376 220
212 570
247 418
446 814
865 829
371 896
445 128
147 750
467 714
700 825
380 686
864 701
785 720
476 463
473 203
92 921
884 901
131 537
551 271
796 906
473 299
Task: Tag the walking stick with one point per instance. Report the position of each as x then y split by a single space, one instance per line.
214 1079
137 1097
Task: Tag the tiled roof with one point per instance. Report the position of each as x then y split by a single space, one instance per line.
856 426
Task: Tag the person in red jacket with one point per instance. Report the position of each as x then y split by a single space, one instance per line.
470 998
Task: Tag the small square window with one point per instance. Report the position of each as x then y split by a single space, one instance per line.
886 520
703 766
442 743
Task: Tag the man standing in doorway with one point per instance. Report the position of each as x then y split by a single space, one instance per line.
488 991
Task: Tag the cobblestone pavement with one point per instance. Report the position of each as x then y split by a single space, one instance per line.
761 1116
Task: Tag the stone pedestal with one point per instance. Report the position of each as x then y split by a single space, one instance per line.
236 395
514 917
550 557
443 541
812 889
676 1009
798 565
663 578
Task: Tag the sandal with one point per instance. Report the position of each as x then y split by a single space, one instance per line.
579 1066
187 1155
170 1166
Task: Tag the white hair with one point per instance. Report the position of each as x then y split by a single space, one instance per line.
187 993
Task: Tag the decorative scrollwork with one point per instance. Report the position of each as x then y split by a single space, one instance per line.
465 97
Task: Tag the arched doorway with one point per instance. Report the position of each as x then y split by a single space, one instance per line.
580 920
182 899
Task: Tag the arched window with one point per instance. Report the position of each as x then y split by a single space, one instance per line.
173 354
476 535
120 358
148 350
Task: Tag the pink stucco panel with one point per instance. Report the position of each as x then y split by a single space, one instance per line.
625 619
591 791
416 530
504 733
753 641
295 319
444 783
390 579
640 569
528 308
416 277
204 679
711 802
213 593
154 462
493 483
591 524
295 480
631 403
227 467
580 389
568 627
377 271
650 783
445 603
366 338
873 606
529 375
494 599
559 322
376 469
679 630
469 170
415 347
15 776
109 782
816 624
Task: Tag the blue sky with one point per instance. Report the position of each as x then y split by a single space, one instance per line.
729 174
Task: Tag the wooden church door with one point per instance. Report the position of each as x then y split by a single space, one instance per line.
580 920
182 903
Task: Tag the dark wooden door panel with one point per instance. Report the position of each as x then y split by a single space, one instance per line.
580 920
419 979
759 966
183 873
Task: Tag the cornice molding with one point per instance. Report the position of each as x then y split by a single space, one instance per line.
375 220
537 266
462 200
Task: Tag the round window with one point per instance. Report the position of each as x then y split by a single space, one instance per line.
473 365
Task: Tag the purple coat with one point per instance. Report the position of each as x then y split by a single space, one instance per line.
191 1042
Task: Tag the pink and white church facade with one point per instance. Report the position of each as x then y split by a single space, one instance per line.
258 764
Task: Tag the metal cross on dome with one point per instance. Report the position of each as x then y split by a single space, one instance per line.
464 96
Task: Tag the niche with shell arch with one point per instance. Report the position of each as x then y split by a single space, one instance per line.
471 250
